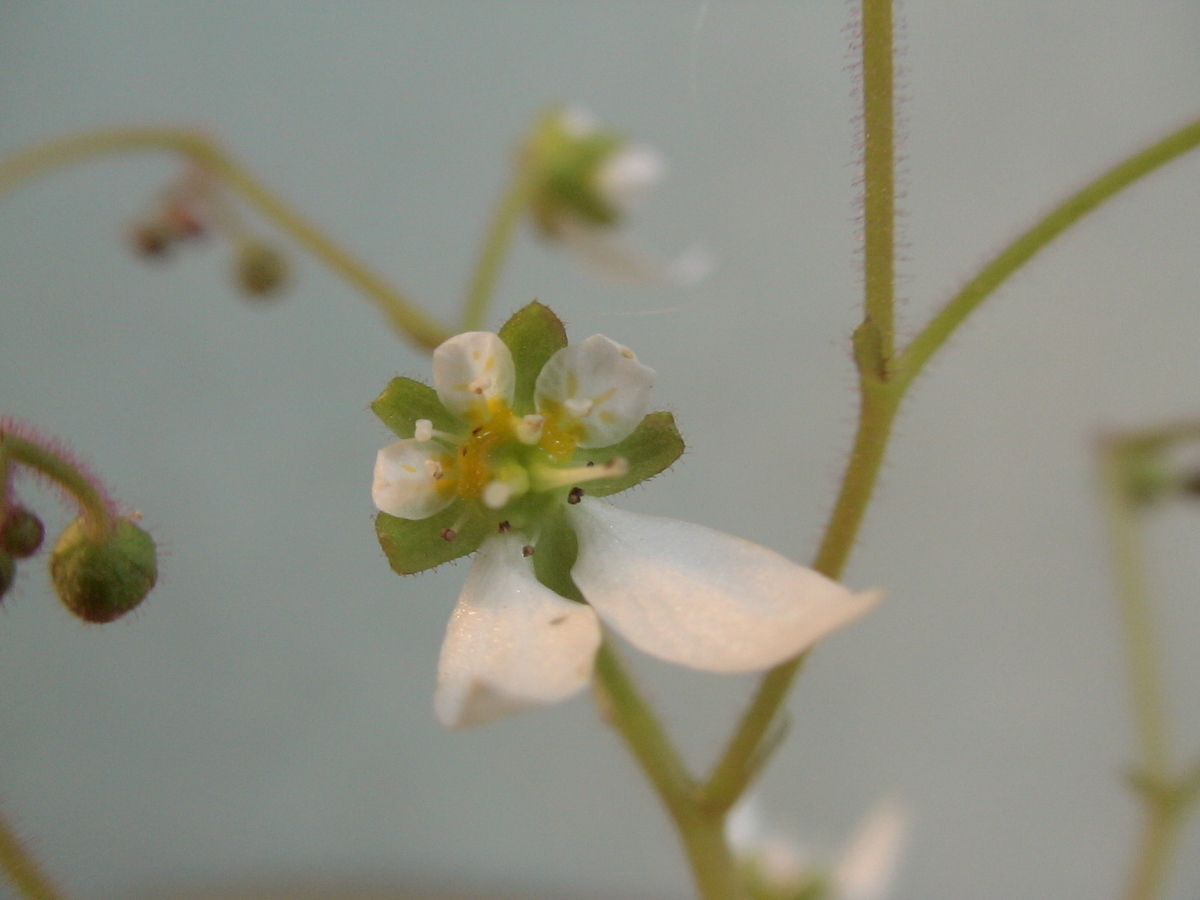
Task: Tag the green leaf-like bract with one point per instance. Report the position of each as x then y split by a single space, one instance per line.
533 334
413 545
404 401
654 445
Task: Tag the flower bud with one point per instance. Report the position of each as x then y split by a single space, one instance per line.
260 269
101 579
8 569
21 532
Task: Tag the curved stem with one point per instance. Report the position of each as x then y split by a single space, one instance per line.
21 869
702 831
1028 244
97 508
402 315
512 204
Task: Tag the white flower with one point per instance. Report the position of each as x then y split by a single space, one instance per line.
777 866
681 592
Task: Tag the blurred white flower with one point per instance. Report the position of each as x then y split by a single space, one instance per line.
776 866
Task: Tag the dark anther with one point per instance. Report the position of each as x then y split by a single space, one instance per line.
527 550
576 495
477 429
449 534
505 527
590 463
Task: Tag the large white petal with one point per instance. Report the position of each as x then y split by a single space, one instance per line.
405 483
601 385
512 643
469 370
700 598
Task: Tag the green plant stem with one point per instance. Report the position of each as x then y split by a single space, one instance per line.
21 869
1028 244
879 179
404 317
1147 692
700 829
512 205
1161 826
97 509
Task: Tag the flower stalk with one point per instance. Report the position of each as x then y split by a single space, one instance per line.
402 315
21 868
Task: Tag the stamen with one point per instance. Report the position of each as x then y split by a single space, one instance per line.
575 496
496 494
527 550
529 429
423 430
480 385
545 478
449 534
433 468
578 408
504 527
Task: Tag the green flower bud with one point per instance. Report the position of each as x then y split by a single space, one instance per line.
260 269
21 532
8 570
102 579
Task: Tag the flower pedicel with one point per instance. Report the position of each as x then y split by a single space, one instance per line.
509 454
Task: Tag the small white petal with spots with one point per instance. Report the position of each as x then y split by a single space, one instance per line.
700 598
470 369
405 484
599 383
512 643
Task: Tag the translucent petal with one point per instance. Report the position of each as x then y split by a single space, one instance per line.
512 643
471 369
869 861
624 178
603 250
405 482
700 598
600 384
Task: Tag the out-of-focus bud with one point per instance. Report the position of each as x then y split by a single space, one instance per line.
101 579
151 239
21 532
260 269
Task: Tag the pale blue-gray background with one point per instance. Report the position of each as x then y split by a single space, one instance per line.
268 711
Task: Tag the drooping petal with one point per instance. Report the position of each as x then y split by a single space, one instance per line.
512 643
701 598
405 484
627 174
471 369
599 384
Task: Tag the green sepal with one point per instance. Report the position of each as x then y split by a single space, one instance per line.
532 334
654 445
414 545
557 548
404 401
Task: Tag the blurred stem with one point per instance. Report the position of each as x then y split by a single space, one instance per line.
879 173
1145 680
404 317
1167 797
513 203
21 869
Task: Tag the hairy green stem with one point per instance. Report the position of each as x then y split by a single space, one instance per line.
1028 244
879 178
21 869
405 318
97 509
